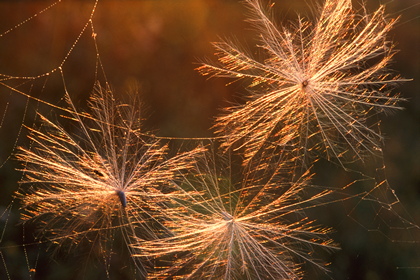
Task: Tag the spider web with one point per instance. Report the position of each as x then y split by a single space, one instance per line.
54 49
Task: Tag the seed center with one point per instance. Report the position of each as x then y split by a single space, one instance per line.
305 83
121 196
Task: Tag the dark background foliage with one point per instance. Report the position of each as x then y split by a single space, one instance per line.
154 46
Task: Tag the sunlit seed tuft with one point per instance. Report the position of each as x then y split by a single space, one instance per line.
343 57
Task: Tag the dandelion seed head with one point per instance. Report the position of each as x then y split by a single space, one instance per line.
86 185
228 229
320 81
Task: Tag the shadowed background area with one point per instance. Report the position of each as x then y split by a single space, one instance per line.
153 46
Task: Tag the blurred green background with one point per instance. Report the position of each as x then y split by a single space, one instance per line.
154 45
